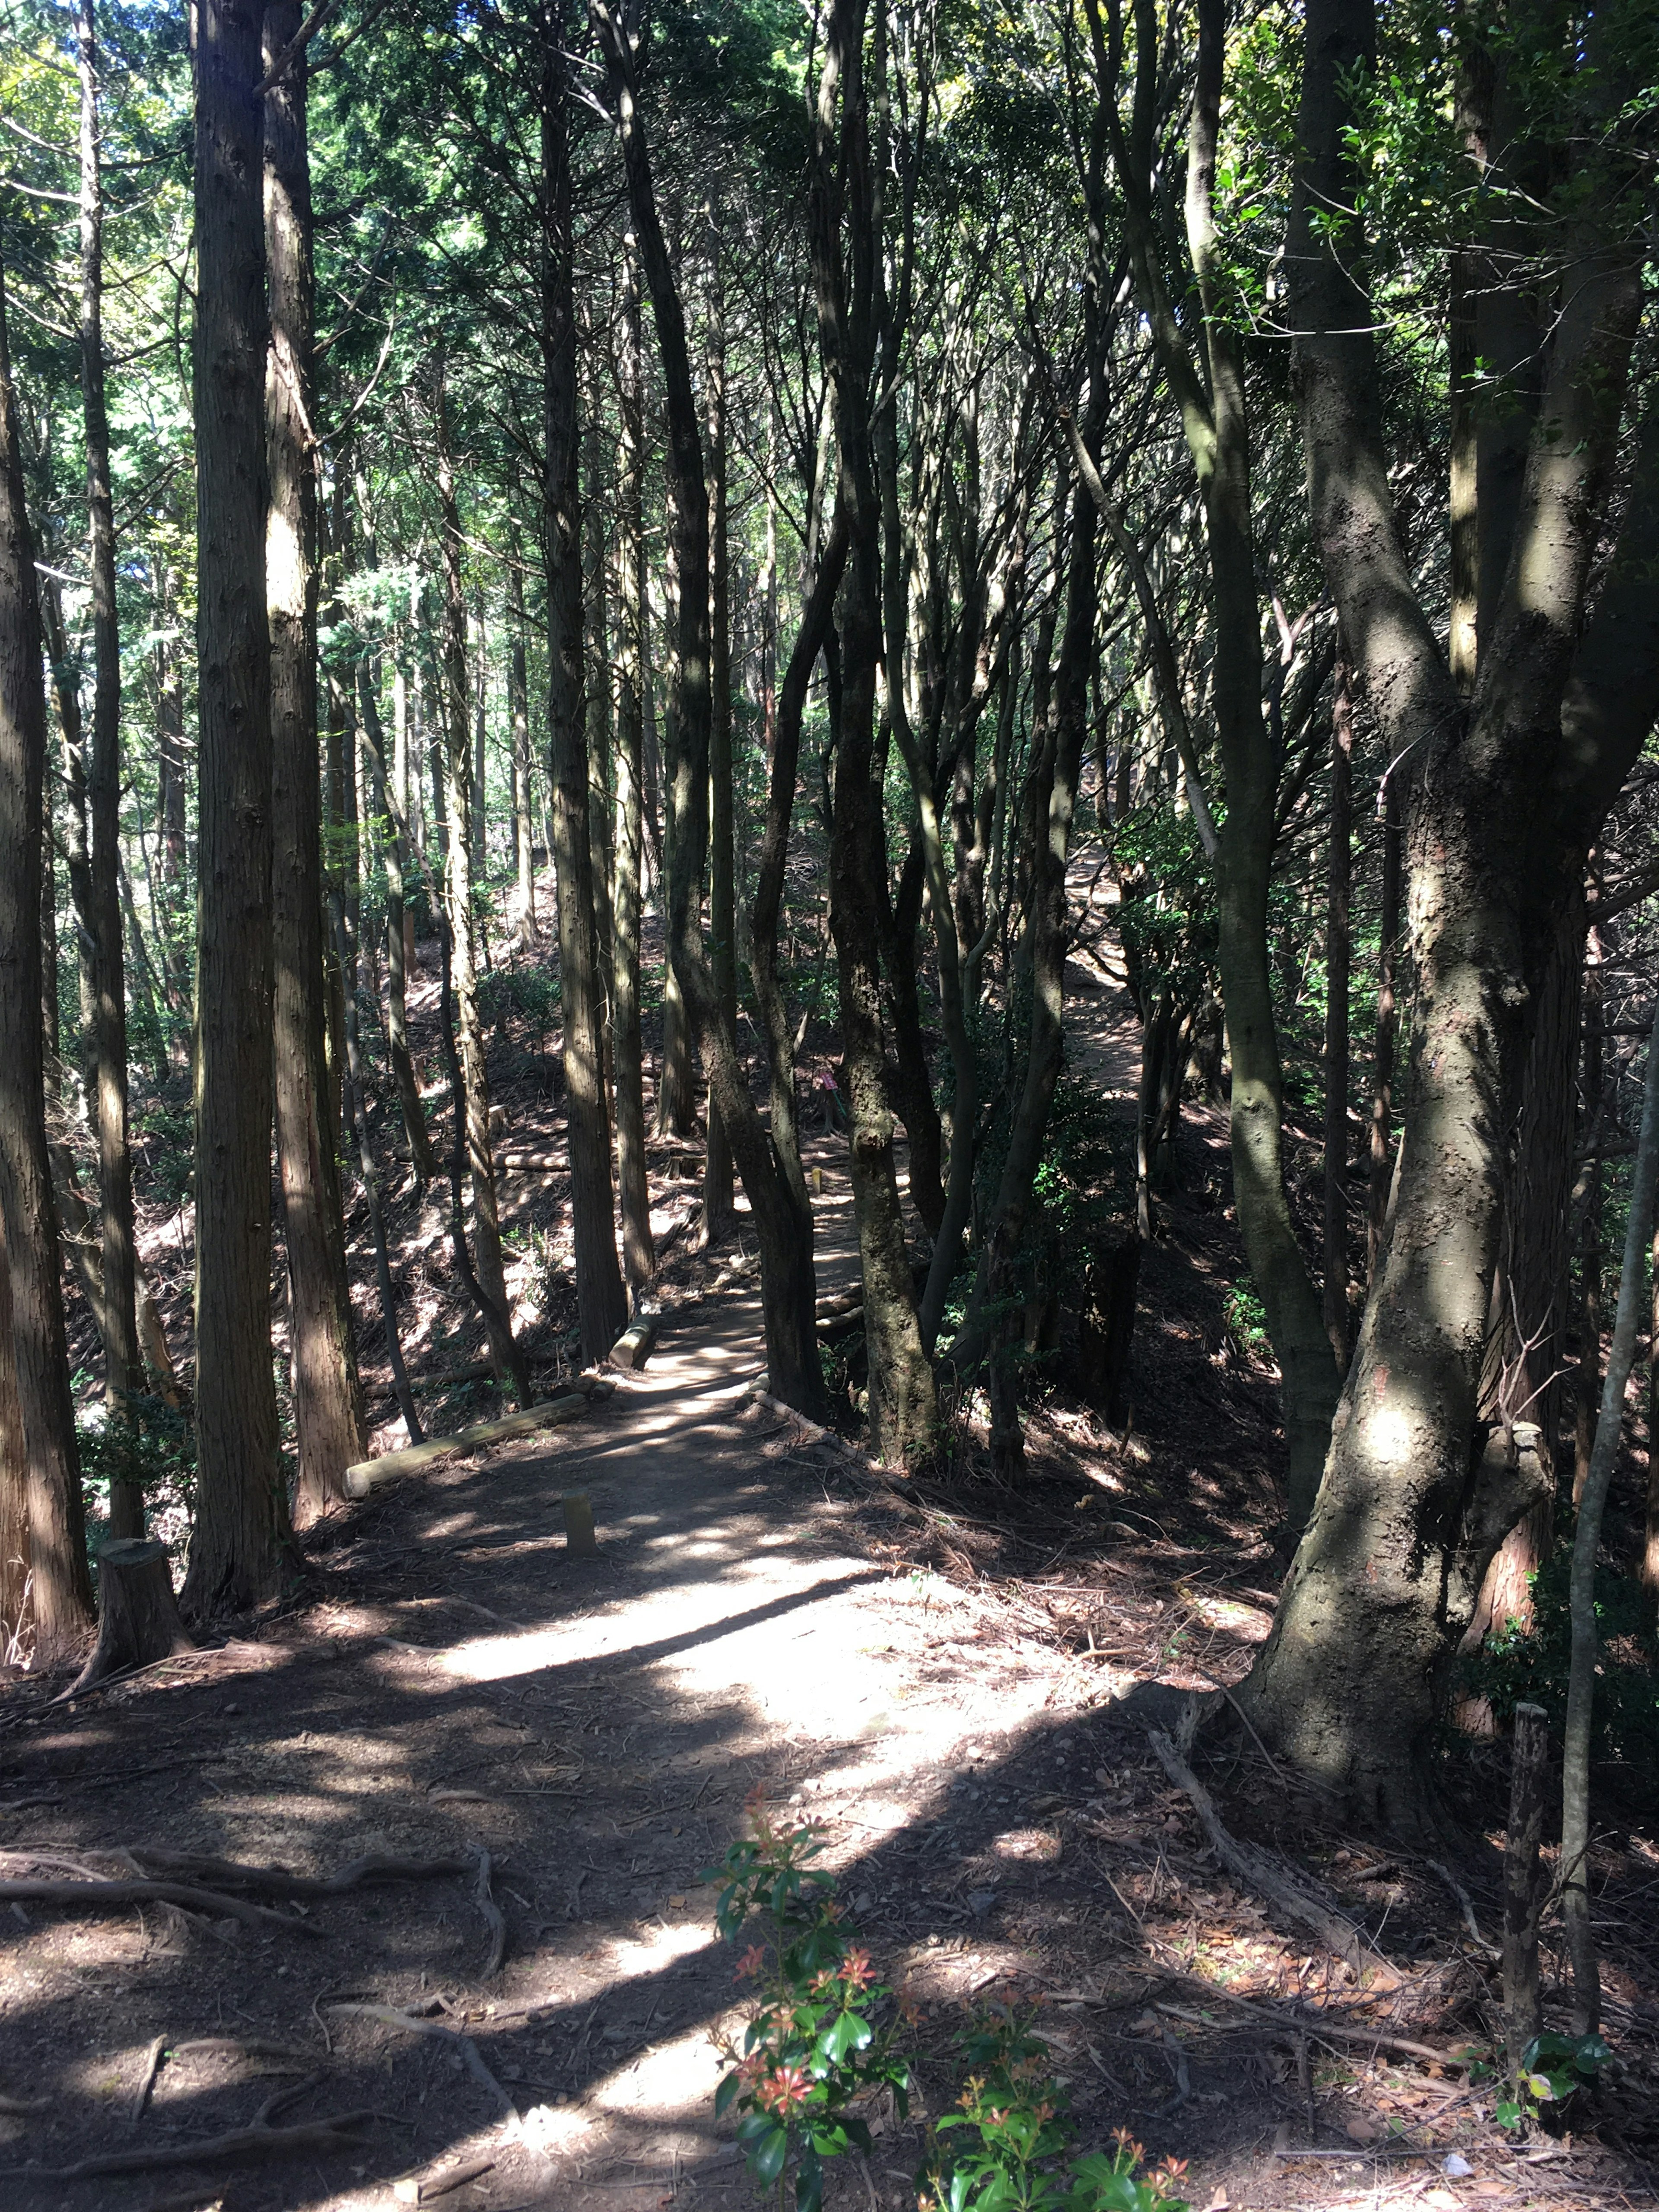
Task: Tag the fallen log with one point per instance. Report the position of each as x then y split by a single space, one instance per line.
368 1474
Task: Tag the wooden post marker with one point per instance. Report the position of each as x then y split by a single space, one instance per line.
138 1619
579 1538
633 1347
1522 2008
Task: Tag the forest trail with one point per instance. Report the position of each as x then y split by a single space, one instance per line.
595 1725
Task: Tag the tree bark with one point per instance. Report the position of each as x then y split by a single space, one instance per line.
639 1254
786 1273
601 1304
1338 939
241 1509
1597 1105
1387 1022
331 1431
138 1619
123 1375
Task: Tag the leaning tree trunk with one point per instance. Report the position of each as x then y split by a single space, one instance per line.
786 1268
331 1430
241 1508
601 1304
1338 945
123 1370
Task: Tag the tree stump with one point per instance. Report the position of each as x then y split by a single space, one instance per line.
137 1613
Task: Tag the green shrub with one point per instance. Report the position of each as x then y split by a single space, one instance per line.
1517 1666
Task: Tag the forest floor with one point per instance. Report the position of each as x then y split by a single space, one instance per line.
933 1672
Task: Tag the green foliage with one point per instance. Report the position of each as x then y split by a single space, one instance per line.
1012 2151
815 2042
1247 1321
1551 2069
157 1451
1531 1666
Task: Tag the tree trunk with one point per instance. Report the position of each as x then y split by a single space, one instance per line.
1382 1127
518 687
397 942
62 1588
903 1402
138 1619
1417 1494
14 1481
718 1218
241 1510
471 1103
123 1375
600 775
601 1304
1586 1544
331 1431
786 1276
1338 939
1598 1104
1522 1371
639 1254
169 729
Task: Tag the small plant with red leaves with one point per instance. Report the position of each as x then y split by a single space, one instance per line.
1013 2153
820 2038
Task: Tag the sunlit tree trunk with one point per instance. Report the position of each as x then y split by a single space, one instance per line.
518 687
331 1430
395 850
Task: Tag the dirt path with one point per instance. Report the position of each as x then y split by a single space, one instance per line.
595 1725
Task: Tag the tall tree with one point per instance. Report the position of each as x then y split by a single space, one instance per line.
62 1588
330 1431
241 1527
639 1254
125 1376
601 1304
471 1103
717 1214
